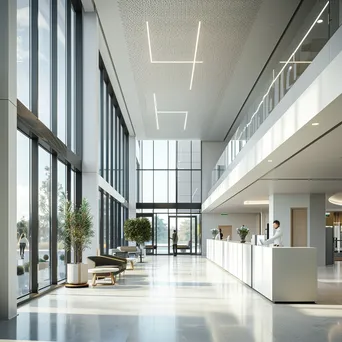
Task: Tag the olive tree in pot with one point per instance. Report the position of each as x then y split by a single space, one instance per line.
76 232
138 230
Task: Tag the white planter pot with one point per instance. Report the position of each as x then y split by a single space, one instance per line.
77 274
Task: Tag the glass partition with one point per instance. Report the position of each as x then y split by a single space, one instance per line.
299 46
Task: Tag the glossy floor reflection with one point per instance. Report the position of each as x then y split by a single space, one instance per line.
176 300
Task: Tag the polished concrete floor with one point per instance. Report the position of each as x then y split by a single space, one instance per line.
178 300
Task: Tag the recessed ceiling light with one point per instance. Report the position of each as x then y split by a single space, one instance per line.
320 21
261 202
270 160
315 124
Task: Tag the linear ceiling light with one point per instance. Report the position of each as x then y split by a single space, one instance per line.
149 41
262 202
158 112
155 110
164 62
195 55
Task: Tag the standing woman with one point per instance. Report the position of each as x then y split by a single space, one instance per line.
23 242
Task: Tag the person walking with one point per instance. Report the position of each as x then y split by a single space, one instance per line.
23 242
174 239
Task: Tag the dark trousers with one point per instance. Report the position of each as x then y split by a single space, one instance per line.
174 248
22 247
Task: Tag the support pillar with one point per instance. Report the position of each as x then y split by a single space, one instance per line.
8 155
132 178
91 122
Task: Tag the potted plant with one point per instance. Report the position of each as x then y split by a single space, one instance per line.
214 232
76 232
138 230
243 232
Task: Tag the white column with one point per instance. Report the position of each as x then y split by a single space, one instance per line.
8 155
132 177
280 209
316 223
91 121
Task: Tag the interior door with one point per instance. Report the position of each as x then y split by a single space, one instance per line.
186 228
299 227
226 231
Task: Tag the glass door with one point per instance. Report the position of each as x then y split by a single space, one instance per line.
186 228
150 246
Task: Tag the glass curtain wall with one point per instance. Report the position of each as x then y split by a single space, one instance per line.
169 192
113 148
48 42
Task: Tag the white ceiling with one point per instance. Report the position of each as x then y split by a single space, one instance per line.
317 169
235 40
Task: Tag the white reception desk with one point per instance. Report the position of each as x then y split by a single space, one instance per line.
281 274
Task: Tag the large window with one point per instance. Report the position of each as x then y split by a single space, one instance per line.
23 214
62 69
113 143
62 194
44 230
113 152
44 61
112 216
170 172
169 193
23 51
49 42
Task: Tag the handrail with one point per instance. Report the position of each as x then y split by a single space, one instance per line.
293 67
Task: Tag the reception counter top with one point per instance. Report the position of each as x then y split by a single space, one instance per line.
281 274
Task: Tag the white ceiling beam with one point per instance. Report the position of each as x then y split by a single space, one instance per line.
88 5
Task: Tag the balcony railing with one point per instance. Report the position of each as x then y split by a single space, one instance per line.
309 30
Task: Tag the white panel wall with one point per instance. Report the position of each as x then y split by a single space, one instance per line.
8 155
316 223
280 209
210 221
91 122
132 177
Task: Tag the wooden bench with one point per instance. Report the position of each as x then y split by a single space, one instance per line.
103 272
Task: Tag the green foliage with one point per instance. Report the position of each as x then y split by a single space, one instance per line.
77 228
46 257
20 270
243 232
138 230
62 257
22 227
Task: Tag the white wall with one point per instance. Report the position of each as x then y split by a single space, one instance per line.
211 152
210 221
280 209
